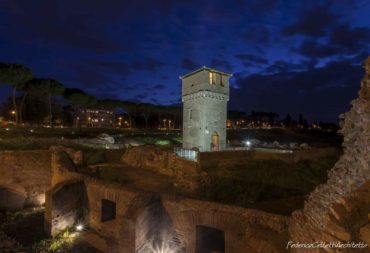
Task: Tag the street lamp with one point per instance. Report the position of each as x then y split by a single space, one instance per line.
13 112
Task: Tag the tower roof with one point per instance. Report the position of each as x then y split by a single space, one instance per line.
204 68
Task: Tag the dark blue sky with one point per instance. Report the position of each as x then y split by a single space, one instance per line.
286 56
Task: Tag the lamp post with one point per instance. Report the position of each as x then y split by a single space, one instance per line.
13 112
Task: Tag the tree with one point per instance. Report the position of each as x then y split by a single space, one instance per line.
235 116
16 75
46 87
77 98
159 109
146 109
111 104
288 120
131 108
300 120
175 112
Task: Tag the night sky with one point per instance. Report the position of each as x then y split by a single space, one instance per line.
286 56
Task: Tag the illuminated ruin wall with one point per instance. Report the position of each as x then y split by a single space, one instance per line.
24 178
339 210
124 220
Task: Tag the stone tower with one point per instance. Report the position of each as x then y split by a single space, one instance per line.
205 93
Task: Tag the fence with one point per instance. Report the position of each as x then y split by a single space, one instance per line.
187 153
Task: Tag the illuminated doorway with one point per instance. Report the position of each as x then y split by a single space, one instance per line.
215 144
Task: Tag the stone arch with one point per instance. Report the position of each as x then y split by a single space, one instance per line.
12 198
187 221
338 209
66 206
244 230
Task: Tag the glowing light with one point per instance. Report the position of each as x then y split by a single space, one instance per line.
248 143
31 130
7 129
79 227
163 142
13 112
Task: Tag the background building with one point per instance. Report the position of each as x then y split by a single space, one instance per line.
205 93
94 117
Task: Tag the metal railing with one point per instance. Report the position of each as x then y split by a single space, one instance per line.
187 153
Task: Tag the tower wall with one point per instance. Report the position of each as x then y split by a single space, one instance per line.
205 110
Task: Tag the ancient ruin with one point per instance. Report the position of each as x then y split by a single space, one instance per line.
339 210
126 219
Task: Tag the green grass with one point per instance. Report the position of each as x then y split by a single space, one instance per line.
283 135
32 138
93 156
264 180
8 218
66 241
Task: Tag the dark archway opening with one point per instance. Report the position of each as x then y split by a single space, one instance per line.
11 199
209 240
108 210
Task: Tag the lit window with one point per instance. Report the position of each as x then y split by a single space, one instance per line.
212 78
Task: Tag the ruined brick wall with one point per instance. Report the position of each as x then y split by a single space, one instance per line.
24 178
338 210
246 230
183 171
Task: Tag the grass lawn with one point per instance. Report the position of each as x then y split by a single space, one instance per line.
312 137
258 182
31 138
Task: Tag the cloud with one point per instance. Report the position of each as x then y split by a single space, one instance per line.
189 64
284 66
221 63
251 59
342 40
142 96
261 6
312 49
149 64
159 87
256 34
112 66
123 69
319 93
52 24
350 39
312 22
